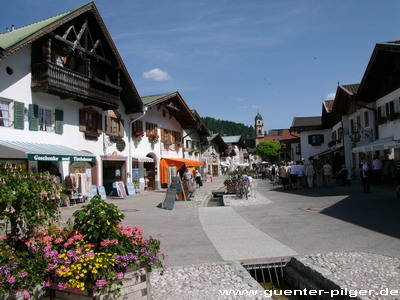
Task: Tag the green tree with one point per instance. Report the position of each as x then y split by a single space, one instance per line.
27 200
268 150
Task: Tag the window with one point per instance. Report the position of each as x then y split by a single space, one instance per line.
189 144
90 121
177 136
379 112
196 145
137 126
389 108
151 129
352 125
45 119
358 122
366 118
5 115
316 139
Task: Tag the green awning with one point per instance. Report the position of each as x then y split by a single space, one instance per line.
42 152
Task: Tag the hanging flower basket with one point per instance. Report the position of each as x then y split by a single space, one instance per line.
178 144
138 135
153 138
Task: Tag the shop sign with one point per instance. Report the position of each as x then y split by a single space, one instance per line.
46 157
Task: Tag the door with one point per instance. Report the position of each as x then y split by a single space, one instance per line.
150 175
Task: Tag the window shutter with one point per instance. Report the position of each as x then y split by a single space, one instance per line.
59 121
147 128
162 135
82 120
99 123
108 125
155 129
19 115
139 125
121 128
310 139
33 117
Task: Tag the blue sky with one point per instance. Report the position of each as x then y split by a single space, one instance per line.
230 59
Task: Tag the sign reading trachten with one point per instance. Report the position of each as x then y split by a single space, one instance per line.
49 157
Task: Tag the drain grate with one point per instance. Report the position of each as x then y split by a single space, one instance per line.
130 210
268 272
313 209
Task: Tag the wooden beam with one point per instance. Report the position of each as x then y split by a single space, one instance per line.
60 38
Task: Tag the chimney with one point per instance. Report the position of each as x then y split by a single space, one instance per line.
12 27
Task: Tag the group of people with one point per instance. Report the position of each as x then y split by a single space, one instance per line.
191 181
299 174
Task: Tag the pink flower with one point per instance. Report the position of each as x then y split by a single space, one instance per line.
25 294
89 254
47 283
120 275
58 240
10 279
22 275
101 283
62 286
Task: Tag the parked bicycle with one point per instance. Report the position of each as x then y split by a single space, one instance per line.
242 187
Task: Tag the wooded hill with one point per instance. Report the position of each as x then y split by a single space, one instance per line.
229 128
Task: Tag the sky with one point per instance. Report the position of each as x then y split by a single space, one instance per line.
230 59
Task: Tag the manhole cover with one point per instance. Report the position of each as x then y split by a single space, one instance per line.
129 210
313 209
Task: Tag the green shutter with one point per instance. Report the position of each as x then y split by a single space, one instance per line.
33 117
59 121
19 115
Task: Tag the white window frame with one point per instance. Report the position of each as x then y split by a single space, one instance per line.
51 128
10 112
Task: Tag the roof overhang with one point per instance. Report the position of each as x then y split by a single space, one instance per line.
382 144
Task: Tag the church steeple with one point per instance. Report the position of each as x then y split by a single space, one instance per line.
259 126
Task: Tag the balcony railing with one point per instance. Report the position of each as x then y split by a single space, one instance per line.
66 83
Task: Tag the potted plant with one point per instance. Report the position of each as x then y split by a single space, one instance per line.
92 256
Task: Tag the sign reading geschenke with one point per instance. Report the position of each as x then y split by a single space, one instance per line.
71 158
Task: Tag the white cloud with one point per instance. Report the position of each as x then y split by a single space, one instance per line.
330 96
157 75
238 99
242 107
256 106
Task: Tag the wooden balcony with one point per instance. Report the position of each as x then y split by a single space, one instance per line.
53 79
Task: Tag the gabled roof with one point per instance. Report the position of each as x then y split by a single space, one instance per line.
306 123
344 98
26 34
382 75
12 41
328 105
176 106
201 126
217 139
285 135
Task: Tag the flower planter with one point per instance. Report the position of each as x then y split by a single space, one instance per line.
134 286
231 189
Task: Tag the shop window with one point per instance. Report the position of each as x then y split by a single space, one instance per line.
316 139
5 113
90 121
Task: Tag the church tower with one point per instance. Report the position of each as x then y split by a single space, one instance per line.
259 126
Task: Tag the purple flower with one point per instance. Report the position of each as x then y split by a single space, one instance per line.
25 294
100 283
120 275
62 286
22 275
47 283
89 254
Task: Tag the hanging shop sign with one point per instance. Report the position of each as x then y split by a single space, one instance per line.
121 145
50 157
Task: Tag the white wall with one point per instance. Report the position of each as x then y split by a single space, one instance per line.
307 149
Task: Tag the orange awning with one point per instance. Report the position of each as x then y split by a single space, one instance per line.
175 162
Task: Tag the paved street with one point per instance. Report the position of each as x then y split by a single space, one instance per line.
335 219
307 221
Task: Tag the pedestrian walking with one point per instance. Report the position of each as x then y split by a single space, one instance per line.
377 168
318 172
283 175
293 175
365 175
327 171
300 174
198 180
274 174
310 172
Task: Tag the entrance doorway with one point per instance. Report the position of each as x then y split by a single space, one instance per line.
150 175
112 171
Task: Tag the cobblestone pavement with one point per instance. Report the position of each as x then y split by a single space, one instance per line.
363 271
204 281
